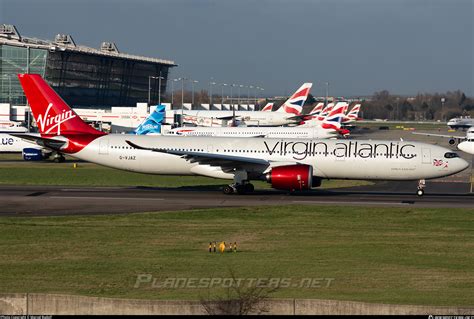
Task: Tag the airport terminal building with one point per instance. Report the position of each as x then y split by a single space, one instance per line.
83 76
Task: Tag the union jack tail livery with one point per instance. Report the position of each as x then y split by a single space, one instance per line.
53 116
295 103
325 111
334 119
268 107
352 115
317 109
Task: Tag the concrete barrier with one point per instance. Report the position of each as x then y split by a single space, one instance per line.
13 304
337 307
80 305
55 304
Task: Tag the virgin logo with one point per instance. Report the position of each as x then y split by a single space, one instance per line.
48 123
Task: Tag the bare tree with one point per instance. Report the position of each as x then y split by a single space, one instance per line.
239 299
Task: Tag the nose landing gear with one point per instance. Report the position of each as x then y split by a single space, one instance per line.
421 185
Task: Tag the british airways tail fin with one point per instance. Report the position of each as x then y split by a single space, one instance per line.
334 119
325 111
152 124
317 109
52 115
268 107
294 104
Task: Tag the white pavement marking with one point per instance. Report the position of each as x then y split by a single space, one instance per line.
115 198
355 203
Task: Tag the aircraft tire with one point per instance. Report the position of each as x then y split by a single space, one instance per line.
249 188
228 190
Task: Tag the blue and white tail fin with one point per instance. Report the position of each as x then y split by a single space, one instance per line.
152 124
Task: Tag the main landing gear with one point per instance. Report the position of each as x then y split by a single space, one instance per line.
421 185
59 158
240 186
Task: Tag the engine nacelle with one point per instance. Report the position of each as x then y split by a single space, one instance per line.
32 154
291 177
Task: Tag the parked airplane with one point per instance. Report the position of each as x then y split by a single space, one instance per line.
288 113
268 107
12 127
467 146
317 109
329 128
465 143
327 109
290 164
461 122
152 124
352 116
30 150
331 111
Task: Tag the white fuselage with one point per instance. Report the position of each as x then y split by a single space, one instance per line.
12 144
467 146
250 118
461 122
12 127
263 131
338 159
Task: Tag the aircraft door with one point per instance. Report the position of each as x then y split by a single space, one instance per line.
104 146
426 156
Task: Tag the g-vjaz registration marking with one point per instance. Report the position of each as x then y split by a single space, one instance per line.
127 157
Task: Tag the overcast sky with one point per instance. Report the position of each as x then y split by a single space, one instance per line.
358 46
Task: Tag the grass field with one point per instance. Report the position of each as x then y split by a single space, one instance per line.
388 255
88 174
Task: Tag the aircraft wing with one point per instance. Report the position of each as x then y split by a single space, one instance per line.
50 143
298 117
226 162
440 135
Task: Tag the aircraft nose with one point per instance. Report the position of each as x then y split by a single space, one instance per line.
462 165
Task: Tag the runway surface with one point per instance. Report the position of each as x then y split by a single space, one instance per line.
56 200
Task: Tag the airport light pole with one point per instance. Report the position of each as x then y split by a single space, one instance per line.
222 93
248 95
231 86
159 88
327 93
256 88
238 101
182 98
149 87
210 92
192 94
172 90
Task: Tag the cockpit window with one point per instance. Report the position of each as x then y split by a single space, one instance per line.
451 155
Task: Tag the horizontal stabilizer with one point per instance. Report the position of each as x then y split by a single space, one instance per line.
51 143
